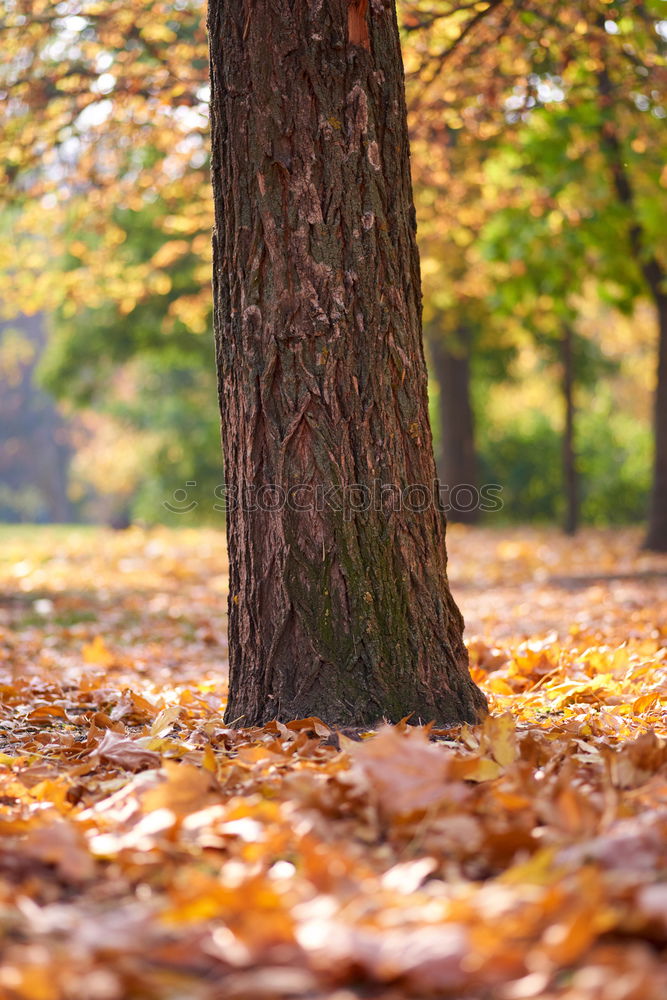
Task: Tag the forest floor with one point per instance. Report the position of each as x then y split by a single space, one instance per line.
149 852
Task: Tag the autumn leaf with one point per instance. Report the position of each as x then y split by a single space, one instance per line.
404 771
126 753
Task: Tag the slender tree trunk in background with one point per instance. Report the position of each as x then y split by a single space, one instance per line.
339 604
656 537
457 460
570 478
656 281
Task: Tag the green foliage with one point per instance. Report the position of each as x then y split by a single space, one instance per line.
88 345
524 458
147 371
181 406
614 463
613 453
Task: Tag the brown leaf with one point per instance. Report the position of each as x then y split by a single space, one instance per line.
126 753
405 772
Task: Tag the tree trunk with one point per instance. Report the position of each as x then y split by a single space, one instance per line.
339 603
570 479
458 459
656 279
656 537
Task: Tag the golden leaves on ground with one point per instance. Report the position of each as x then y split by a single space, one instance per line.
150 852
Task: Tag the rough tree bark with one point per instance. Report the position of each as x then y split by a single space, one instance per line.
339 606
457 463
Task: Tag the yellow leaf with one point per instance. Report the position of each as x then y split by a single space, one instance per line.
476 769
97 652
209 762
499 736
645 702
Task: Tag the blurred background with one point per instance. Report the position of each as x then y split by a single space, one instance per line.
539 152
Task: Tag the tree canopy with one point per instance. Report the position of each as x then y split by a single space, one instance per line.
524 122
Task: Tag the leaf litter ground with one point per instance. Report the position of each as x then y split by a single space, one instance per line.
150 852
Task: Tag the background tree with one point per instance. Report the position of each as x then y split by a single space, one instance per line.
598 74
466 346
583 84
105 113
105 110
